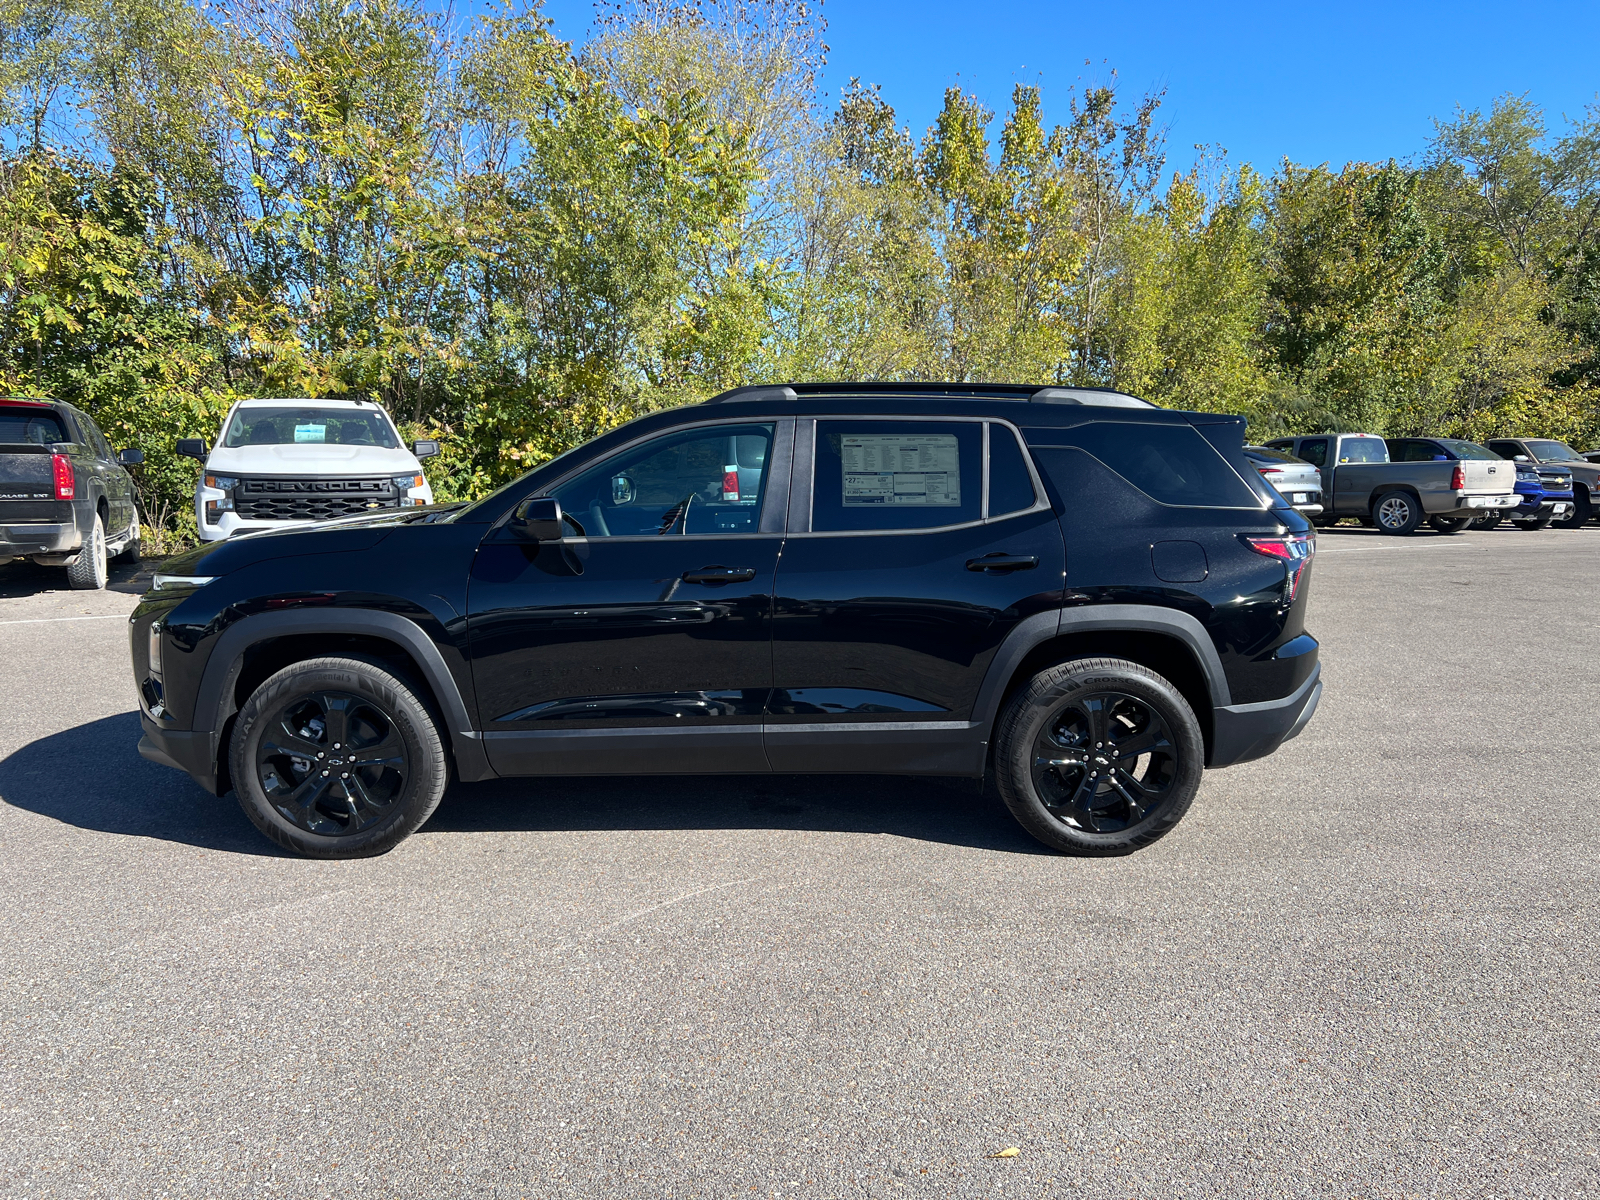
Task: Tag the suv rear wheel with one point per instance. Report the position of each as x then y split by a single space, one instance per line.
88 571
1098 756
337 758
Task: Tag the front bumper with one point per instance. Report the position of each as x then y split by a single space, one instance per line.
17 541
1241 732
191 751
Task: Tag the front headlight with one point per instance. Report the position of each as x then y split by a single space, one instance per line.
224 483
404 483
161 583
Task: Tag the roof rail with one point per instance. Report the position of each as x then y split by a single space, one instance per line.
1106 397
757 391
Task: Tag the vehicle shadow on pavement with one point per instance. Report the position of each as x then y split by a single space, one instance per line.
91 776
23 577
926 809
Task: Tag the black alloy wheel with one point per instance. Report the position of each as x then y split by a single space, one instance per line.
1582 510
337 758
332 763
1098 756
1104 763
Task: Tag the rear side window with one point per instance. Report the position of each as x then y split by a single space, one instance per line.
1315 451
873 475
1169 463
35 426
1010 485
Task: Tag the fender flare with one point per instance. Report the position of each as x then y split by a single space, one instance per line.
1140 618
227 658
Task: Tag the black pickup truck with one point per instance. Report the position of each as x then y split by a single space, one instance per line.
66 499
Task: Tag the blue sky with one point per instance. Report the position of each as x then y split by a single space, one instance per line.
1324 82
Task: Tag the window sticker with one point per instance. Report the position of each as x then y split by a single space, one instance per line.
888 468
310 433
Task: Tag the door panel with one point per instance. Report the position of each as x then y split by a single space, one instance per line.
644 636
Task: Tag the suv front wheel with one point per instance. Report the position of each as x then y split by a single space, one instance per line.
1098 756
337 758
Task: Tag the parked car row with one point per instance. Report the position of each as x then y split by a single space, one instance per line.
1398 484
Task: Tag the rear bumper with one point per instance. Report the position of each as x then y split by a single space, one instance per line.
1472 506
190 751
19 540
1241 732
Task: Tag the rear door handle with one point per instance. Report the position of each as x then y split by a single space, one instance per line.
720 575
1003 562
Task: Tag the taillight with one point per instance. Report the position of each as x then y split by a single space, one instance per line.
66 489
1458 479
1270 471
730 482
1293 549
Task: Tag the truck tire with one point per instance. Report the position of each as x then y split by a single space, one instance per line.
1397 513
1542 521
1098 756
1450 524
337 758
130 551
88 571
1489 520
1582 510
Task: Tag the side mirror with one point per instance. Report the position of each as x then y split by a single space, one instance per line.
131 457
1520 458
538 520
621 489
425 449
192 448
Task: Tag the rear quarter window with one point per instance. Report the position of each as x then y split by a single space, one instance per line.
1172 464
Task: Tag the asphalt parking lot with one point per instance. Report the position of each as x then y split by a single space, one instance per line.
1365 967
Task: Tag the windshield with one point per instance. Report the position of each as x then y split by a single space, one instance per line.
38 426
291 425
1466 449
1547 451
1363 449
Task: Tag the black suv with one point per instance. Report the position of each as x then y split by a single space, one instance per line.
1088 597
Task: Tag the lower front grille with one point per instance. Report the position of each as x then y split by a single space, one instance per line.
310 499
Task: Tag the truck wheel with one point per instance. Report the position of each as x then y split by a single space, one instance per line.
130 552
88 571
1099 756
1542 521
1582 510
1450 524
1397 512
337 758
1490 520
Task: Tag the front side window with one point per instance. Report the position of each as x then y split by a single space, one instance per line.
1315 451
696 481
291 426
884 475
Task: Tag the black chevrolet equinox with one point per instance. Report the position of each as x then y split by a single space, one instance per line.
1082 596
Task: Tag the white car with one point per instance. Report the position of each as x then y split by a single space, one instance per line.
285 462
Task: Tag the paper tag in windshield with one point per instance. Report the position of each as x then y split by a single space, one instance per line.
901 469
310 433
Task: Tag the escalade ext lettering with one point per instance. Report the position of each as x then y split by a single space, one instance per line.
1090 598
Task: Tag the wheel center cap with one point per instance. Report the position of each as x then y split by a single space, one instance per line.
1101 761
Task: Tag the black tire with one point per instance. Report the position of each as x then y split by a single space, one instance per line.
1450 524
1397 513
1542 521
1582 511
90 571
1490 520
302 716
1068 787
130 551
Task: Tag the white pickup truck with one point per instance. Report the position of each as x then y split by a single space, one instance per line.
284 462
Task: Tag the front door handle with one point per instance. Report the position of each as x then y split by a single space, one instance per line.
1003 562
720 575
